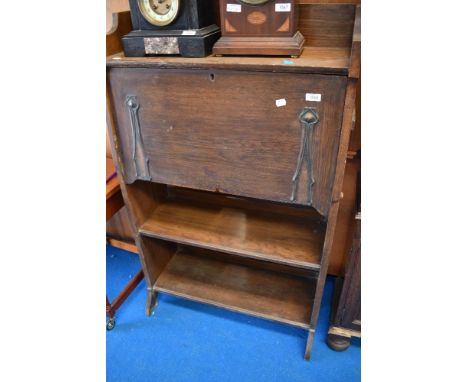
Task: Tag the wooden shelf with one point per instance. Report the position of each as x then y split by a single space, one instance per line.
326 60
261 293
290 240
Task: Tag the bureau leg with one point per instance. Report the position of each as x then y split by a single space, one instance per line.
337 342
310 340
151 301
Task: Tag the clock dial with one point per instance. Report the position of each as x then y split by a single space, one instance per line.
159 12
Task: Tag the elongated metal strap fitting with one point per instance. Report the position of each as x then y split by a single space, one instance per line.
308 118
140 160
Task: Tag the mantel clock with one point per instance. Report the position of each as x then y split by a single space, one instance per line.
172 27
259 27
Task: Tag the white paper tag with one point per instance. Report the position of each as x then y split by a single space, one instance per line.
280 102
283 7
189 33
313 97
234 8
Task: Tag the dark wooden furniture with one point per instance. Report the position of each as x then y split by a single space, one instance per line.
234 196
166 27
259 27
114 202
338 20
346 312
119 229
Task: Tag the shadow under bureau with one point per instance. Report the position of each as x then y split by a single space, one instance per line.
232 171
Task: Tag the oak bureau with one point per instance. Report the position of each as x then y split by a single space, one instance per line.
232 171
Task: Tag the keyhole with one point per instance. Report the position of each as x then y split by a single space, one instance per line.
212 77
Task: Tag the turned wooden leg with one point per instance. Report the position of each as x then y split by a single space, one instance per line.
151 301
310 340
338 343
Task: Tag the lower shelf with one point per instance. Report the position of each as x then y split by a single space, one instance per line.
262 293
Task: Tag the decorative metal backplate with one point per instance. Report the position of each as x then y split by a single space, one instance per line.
308 118
140 160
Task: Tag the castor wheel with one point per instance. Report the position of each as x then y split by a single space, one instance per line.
110 324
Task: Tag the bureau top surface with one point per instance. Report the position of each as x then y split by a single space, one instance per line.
313 60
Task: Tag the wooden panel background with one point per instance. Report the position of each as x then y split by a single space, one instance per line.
119 227
327 25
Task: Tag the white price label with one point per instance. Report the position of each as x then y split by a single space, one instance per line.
283 7
237 8
313 97
189 33
280 102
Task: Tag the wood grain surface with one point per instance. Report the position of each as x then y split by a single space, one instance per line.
119 227
330 2
282 239
228 140
264 46
344 226
348 113
265 294
323 60
114 200
327 25
270 22
154 256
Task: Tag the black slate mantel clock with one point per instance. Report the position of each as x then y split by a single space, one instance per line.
172 27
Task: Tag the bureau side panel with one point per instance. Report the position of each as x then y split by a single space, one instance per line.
231 132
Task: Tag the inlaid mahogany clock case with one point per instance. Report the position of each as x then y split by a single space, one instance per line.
270 28
192 33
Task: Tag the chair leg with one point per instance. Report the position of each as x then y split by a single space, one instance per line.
111 308
110 312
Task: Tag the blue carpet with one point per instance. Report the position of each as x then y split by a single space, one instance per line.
187 341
